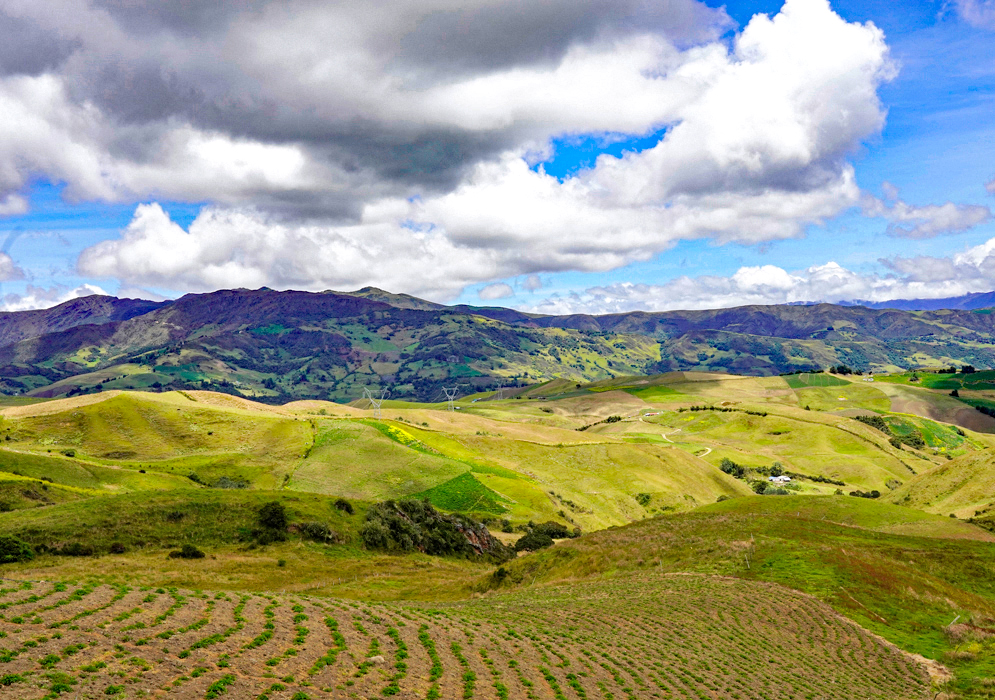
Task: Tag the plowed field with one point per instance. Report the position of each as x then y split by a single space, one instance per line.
651 636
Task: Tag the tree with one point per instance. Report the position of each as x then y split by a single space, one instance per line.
955 393
731 468
534 541
776 469
967 369
273 516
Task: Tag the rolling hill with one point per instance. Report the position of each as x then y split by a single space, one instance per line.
280 346
105 485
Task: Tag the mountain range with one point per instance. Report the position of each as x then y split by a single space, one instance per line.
278 346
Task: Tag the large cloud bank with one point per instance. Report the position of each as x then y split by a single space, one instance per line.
920 277
342 144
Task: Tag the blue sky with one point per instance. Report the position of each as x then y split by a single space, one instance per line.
519 199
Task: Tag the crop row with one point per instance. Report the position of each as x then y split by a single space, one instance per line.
644 637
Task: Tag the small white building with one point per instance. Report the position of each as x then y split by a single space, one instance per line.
779 479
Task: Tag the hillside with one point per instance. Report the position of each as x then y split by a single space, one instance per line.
105 486
590 456
182 643
964 487
280 346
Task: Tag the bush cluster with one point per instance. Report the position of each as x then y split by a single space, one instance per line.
409 525
609 419
913 439
731 468
344 506
187 551
542 535
534 541
866 494
74 549
14 550
765 488
723 409
318 532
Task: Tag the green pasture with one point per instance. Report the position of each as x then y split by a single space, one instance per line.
815 379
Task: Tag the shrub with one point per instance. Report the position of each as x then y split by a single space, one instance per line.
896 443
731 468
14 550
914 439
534 541
118 548
187 551
229 483
866 494
409 525
643 499
344 505
875 422
69 453
74 549
319 532
554 529
273 516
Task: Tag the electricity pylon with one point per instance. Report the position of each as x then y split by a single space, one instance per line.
451 393
376 397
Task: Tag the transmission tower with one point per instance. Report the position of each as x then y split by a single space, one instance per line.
451 393
376 398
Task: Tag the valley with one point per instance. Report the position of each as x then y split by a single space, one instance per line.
667 482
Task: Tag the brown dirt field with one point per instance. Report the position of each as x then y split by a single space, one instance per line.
641 637
936 405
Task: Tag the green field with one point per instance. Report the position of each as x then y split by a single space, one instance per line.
103 488
804 381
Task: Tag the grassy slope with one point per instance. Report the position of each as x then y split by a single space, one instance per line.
963 487
897 571
517 458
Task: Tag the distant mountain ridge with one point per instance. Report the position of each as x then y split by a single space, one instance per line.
279 346
969 302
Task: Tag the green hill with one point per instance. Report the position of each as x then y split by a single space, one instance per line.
280 346
899 572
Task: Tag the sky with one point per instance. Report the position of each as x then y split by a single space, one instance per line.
556 156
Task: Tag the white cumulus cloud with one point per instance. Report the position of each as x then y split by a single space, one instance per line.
43 298
919 277
756 144
498 290
908 221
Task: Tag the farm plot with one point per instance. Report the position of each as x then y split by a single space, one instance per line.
666 636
